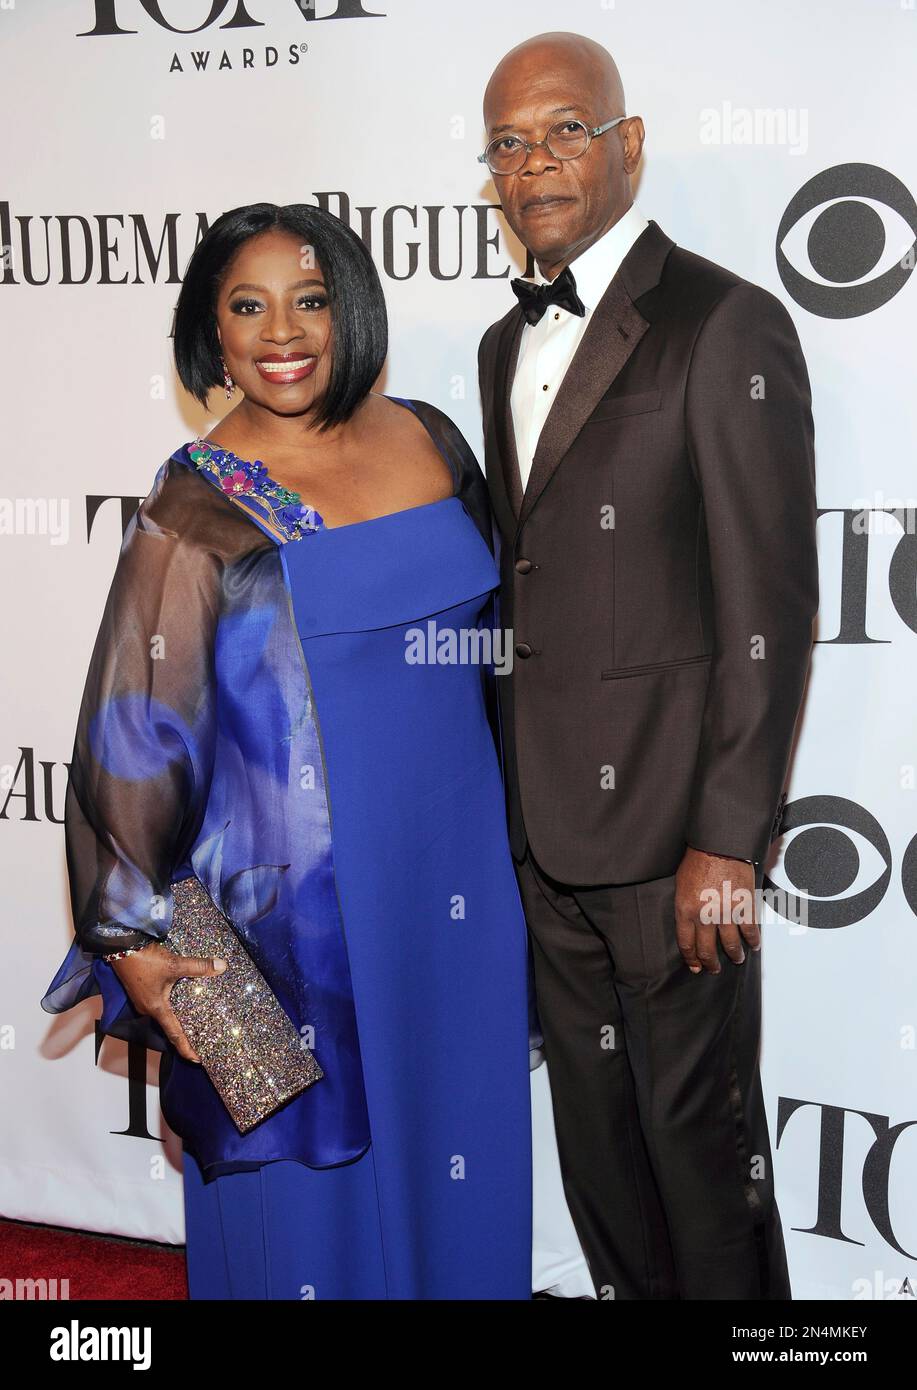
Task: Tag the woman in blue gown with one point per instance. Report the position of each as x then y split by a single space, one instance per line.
322 757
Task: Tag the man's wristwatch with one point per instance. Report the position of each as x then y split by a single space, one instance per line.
716 855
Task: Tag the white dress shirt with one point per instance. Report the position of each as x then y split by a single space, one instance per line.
547 347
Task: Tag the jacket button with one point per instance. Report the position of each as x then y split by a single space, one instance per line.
523 650
523 566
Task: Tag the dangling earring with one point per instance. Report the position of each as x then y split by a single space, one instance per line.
227 380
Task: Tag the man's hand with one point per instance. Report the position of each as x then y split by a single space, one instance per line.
714 894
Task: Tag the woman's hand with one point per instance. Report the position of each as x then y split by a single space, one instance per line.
148 977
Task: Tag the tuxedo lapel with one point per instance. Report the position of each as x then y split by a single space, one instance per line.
611 335
507 357
613 331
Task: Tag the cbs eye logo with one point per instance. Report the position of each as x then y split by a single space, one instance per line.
838 864
854 229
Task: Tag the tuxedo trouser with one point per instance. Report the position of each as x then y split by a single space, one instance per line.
658 1108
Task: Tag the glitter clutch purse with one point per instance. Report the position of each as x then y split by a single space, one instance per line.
246 1041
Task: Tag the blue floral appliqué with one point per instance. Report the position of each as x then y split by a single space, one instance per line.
243 479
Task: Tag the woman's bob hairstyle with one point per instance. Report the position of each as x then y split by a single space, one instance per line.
359 327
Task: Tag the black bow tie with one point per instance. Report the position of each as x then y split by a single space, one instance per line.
560 291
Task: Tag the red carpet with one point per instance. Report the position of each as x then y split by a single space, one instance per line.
96 1266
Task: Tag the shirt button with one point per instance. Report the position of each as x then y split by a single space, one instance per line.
545 388
557 316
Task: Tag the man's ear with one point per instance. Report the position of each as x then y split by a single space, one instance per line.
634 135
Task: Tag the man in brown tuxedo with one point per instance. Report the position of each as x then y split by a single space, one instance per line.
649 448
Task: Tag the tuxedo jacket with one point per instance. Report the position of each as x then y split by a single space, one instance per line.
658 574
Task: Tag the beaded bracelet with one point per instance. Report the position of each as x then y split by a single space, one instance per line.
129 951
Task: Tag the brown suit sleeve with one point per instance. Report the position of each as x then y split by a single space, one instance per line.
751 443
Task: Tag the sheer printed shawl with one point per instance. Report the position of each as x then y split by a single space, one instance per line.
198 751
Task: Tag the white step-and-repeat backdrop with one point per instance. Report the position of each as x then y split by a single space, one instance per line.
780 144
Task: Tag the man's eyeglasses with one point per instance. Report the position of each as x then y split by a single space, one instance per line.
506 154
